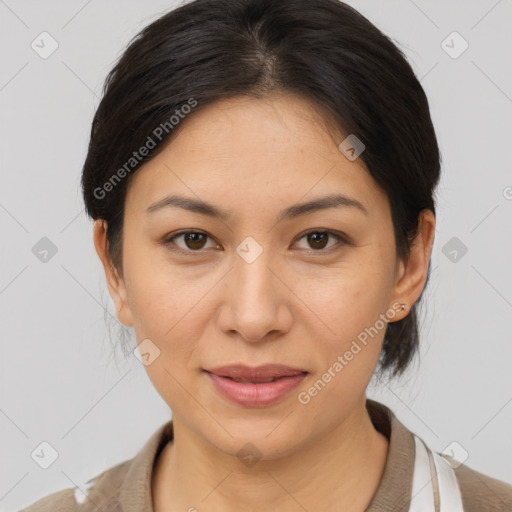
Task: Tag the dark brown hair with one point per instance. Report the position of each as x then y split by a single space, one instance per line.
323 50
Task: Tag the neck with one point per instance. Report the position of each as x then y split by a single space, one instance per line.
342 471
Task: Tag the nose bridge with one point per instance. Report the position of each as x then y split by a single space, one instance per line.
252 274
254 302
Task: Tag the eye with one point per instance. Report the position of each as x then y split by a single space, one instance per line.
318 240
194 241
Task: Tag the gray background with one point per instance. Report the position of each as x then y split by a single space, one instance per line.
59 379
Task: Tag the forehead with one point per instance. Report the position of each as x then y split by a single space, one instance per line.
243 151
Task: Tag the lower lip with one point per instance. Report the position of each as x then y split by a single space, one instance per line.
258 394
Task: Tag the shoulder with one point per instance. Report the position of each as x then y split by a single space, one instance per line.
61 501
126 483
95 495
480 492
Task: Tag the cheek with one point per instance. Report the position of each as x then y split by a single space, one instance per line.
160 295
346 353
348 304
346 301
170 313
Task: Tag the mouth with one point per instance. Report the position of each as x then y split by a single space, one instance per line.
255 387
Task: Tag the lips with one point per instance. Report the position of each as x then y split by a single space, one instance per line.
255 387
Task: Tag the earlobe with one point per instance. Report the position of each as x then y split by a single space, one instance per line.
115 283
412 274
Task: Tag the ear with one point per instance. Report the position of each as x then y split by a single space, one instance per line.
116 285
412 274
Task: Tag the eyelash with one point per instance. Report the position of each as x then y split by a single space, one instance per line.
343 240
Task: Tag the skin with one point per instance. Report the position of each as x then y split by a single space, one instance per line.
297 304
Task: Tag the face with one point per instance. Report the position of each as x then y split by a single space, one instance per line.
264 283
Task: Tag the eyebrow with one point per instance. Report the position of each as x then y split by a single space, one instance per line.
204 208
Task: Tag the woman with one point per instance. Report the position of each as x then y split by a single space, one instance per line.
261 174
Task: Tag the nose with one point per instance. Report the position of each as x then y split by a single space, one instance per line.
256 302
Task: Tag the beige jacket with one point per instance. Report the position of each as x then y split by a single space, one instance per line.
127 486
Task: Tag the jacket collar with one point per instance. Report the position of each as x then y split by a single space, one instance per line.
135 491
394 491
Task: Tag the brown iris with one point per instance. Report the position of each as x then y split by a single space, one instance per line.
193 240
317 237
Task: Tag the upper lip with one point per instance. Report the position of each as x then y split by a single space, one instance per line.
266 371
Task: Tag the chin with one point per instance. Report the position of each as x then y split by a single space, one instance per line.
267 437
